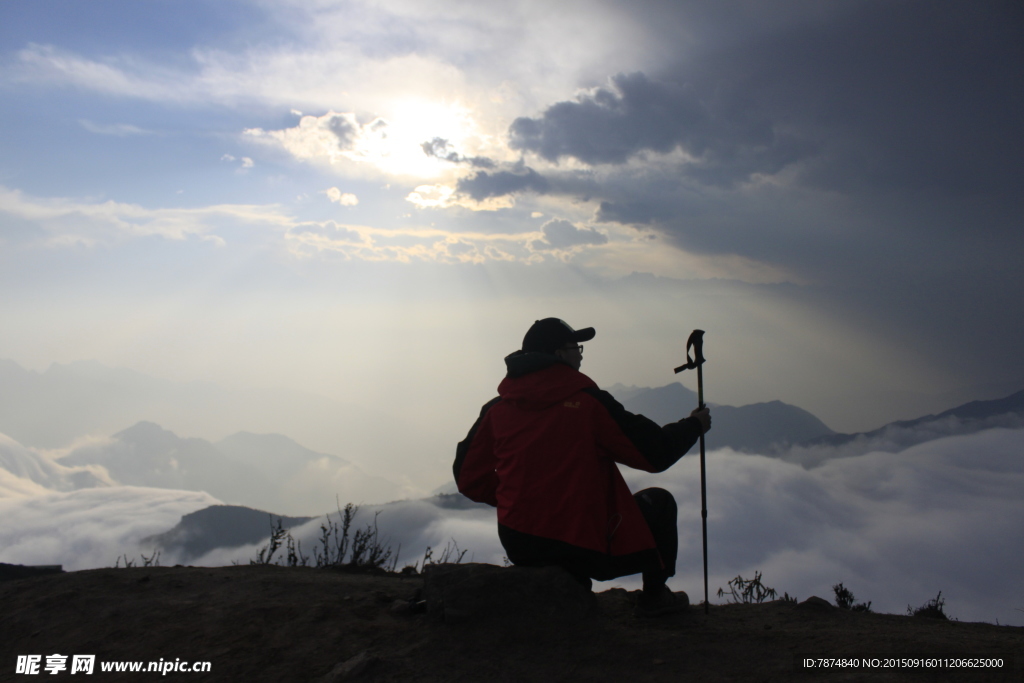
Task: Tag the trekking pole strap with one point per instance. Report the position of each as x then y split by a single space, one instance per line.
696 341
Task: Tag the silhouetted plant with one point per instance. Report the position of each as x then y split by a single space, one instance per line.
295 556
450 555
367 548
152 561
933 608
277 535
334 537
750 591
846 600
339 547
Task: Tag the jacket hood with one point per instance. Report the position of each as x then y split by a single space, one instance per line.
537 380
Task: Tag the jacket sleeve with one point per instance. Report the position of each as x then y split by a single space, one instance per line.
475 461
627 435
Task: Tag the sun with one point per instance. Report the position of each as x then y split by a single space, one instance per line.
394 143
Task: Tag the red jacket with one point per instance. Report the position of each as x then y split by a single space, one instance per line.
545 452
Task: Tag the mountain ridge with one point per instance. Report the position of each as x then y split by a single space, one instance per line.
749 428
254 470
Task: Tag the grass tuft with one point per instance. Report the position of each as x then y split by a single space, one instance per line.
846 600
750 591
932 609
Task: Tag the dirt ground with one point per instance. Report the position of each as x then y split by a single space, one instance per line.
267 623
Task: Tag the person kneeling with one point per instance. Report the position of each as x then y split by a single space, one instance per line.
546 452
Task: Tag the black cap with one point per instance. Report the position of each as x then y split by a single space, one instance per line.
550 334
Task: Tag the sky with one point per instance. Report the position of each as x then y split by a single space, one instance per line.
370 202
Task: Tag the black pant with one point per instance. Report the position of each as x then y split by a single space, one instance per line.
659 510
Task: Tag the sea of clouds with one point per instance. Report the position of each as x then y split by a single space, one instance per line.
90 528
894 528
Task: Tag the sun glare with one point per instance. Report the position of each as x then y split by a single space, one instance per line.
397 148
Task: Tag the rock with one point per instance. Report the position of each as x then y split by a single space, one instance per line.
21 571
402 608
349 669
478 592
815 604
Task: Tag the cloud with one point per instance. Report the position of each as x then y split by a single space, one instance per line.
880 165
436 245
393 146
46 63
635 114
68 222
342 198
484 185
440 148
561 234
320 56
244 164
406 246
893 528
115 129
92 527
408 527
25 471
330 137
897 437
441 196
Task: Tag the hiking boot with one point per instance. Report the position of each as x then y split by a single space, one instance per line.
660 604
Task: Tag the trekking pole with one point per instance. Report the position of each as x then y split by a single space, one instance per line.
696 340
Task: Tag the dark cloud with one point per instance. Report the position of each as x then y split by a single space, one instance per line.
442 149
871 99
901 96
631 212
873 149
345 129
636 114
561 234
610 125
482 184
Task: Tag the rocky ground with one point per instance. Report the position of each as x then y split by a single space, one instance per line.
268 623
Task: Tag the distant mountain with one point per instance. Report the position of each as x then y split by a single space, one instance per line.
219 526
274 455
294 468
763 426
256 470
148 455
51 409
791 433
978 411
663 404
968 418
753 428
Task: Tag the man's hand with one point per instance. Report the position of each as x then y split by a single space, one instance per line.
704 415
